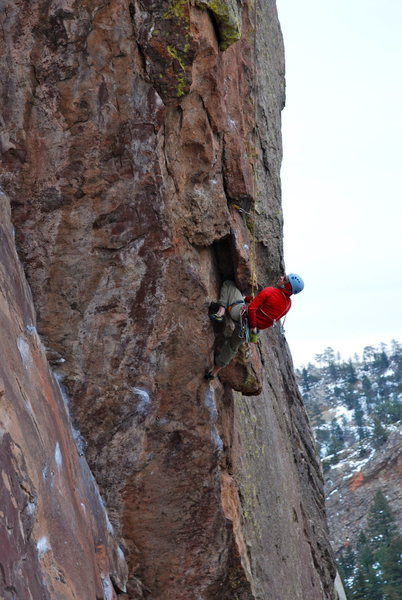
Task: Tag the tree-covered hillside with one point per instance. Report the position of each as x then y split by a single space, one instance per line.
373 571
354 402
354 406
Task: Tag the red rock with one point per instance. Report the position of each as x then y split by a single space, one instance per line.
52 513
139 134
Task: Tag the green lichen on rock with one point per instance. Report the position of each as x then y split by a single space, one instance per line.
228 19
181 77
176 39
177 9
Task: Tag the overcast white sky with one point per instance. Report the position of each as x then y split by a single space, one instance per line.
342 172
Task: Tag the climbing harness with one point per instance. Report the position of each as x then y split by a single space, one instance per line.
244 329
235 304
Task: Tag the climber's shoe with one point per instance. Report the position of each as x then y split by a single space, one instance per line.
208 375
216 318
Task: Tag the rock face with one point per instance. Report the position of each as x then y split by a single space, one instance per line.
351 488
55 537
141 149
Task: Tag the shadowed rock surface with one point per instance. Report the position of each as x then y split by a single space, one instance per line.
129 142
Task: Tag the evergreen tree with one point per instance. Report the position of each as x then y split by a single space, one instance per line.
346 567
368 356
392 568
378 574
381 362
383 388
360 587
380 523
359 420
368 391
350 373
305 381
367 584
337 439
379 434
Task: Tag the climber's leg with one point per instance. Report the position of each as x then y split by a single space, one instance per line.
229 295
226 352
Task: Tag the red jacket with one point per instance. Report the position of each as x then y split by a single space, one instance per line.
268 306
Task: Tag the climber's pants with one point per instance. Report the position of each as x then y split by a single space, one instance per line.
228 350
229 295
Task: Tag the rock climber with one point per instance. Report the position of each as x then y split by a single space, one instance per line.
269 306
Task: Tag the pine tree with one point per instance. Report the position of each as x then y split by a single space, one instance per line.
360 587
379 559
381 362
380 523
392 568
346 567
367 584
359 420
337 440
379 434
368 391
350 373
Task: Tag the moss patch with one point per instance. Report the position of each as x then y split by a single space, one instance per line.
177 9
228 18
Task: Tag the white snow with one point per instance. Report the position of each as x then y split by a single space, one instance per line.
107 588
145 401
342 411
43 545
30 508
57 456
25 353
213 413
120 553
31 329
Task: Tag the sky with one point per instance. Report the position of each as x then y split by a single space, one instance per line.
342 173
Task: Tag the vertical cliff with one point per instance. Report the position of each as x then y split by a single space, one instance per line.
55 537
141 150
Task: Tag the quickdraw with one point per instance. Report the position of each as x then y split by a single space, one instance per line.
244 326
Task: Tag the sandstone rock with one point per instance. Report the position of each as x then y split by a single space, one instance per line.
56 539
244 374
128 137
228 19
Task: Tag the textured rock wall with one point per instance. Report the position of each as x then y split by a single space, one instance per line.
55 538
131 134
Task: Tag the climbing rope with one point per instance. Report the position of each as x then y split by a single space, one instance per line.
253 161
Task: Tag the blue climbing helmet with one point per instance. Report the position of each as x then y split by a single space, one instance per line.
296 282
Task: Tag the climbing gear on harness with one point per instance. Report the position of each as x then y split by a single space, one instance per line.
235 304
244 331
240 209
296 282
